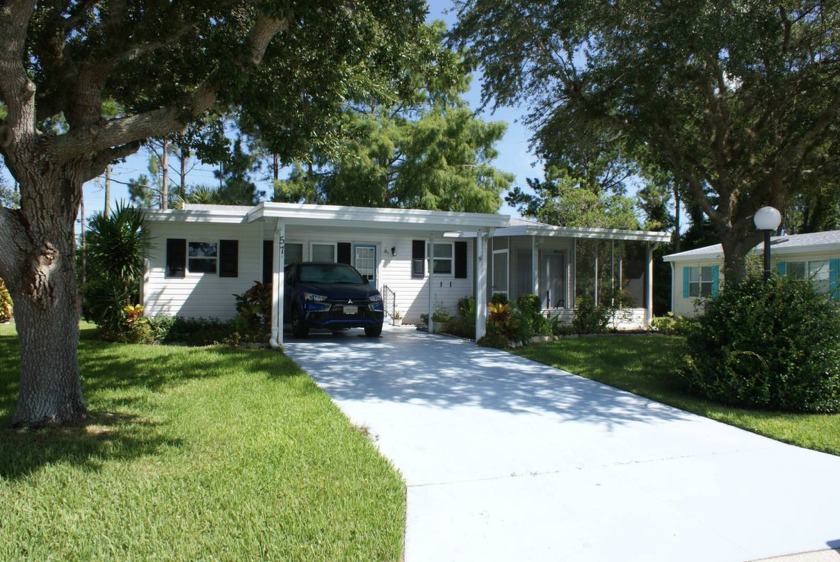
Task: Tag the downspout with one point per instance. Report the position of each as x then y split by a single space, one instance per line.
278 285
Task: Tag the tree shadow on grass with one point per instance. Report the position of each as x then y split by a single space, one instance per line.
117 381
104 436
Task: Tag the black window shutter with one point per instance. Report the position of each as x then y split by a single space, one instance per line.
268 260
460 260
344 253
418 259
229 258
176 257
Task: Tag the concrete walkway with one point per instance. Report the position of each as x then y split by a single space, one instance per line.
509 460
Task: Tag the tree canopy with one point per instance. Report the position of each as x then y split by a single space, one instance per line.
737 99
290 67
426 150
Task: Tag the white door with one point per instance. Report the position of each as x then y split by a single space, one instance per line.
500 272
364 259
552 277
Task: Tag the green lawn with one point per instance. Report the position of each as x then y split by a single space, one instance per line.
647 365
194 454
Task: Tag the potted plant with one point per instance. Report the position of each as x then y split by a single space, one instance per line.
397 318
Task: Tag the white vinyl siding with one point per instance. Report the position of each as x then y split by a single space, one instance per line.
199 294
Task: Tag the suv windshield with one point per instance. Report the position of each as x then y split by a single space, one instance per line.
329 273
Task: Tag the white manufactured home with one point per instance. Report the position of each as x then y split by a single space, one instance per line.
421 261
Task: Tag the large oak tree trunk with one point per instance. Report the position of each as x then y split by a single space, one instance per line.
41 277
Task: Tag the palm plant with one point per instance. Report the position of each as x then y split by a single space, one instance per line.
116 251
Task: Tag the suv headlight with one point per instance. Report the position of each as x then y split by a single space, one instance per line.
314 297
376 298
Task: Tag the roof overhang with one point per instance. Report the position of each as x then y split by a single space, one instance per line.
365 218
539 229
216 214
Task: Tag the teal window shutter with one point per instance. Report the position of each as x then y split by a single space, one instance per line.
685 282
834 278
715 280
781 266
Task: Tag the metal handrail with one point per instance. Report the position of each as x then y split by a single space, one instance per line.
389 301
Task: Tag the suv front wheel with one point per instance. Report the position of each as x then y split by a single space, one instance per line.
373 331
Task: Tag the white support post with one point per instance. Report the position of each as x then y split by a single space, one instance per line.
535 269
278 284
431 282
480 285
649 285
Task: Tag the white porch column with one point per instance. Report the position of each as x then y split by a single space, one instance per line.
278 284
480 285
535 269
431 282
649 285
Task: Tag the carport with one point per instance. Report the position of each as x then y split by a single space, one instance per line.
506 459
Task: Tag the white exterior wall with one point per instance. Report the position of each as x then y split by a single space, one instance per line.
200 294
208 295
412 295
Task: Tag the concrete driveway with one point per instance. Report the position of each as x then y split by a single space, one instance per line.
509 460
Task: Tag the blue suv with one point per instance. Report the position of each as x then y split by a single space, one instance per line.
332 296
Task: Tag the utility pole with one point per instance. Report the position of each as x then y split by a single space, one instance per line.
107 212
164 204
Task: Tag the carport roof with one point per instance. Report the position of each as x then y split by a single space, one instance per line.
334 215
520 227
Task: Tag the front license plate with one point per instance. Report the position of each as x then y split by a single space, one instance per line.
351 309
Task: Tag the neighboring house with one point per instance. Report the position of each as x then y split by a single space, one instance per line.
421 261
698 274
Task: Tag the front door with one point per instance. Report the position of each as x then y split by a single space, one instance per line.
364 259
552 276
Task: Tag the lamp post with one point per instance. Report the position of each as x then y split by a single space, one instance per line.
768 220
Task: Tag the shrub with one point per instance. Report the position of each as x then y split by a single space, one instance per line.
463 323
560 328
198 331
501 324
5 303
771 345
671 325
253 308
590 317
528 313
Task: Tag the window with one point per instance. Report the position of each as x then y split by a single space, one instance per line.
797 269
700 282
418 259
818 271
323 252
818 274
202 257
442 259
